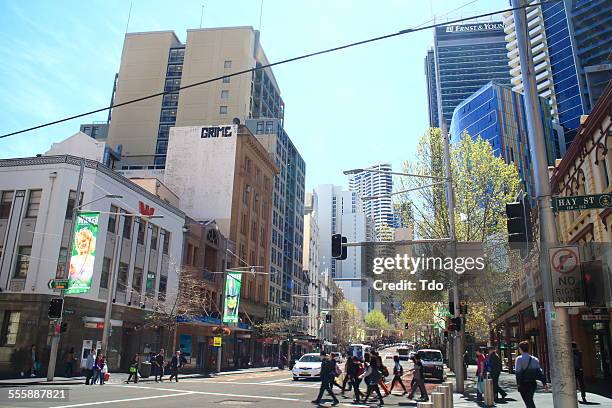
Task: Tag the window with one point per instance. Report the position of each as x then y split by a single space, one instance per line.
163 281
23 262
122 277
33 203
170 100
154 235
227 64
142 225
60 272
150 289
166 241
254 231
112 219
196 256
226 80
105 275
189 260
243 224
72 203
10 328
137 280
223 110
224 94
127 227
6 201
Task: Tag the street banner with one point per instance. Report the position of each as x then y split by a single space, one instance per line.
566 274
232 297
83 253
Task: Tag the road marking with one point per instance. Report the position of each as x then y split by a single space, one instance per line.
221 394
275 381
314 385
85 404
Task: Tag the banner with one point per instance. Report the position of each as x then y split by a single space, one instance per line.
232 297
83 253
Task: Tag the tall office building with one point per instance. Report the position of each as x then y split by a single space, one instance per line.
497 114
467 57
432 94
570 42
156 61
288 283
369 184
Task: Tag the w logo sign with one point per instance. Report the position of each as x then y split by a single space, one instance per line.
145 209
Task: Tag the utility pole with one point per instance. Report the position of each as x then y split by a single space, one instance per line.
55 339
220 348
557 319
450 203
106 330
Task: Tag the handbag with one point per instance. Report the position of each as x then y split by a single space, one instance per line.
132 369
106 376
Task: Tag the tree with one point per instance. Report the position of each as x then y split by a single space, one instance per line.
347 323
376 320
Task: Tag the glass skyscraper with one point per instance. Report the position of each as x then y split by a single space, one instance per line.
497 114
468 56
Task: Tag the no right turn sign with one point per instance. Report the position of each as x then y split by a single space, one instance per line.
566 276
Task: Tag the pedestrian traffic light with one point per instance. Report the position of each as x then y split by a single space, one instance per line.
456 324
339 251
463 309
519 223
592 278
328 318
64 327
406 326
55 308
451 308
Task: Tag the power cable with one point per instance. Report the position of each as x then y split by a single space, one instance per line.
261 67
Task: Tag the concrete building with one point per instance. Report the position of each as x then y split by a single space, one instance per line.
570 44
224 173
467 57
369 184
288 282
156 61
82 144
311 264
37 197
95 130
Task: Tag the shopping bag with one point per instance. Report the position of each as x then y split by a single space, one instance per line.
106 376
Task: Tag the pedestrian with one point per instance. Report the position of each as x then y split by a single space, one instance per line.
528 371
102 369
68 362
372 377
480 375
578 371
466 362
337 371
357 369
175 364
418 379
348 369
34 361
159 365
328 372
398 372
134 366
495 368
90 362
384 373
96 370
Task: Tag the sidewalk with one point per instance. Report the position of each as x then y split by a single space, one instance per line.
117 378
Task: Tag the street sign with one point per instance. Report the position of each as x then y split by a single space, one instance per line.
58 284
577 203
566 276
217 341
595 318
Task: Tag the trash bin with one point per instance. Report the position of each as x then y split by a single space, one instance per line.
145 369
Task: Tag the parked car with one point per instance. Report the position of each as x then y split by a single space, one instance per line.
433 364
308 366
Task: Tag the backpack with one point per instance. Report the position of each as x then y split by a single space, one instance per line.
529 375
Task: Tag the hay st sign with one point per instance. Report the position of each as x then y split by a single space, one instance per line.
578 203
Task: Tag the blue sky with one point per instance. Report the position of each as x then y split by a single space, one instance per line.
343 110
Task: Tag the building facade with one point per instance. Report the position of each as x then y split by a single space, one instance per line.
38 196
497 114
432 92
377 184
156 61
311 267
288 283
570 43
466 58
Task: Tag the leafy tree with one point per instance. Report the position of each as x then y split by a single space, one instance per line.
347 323
376 320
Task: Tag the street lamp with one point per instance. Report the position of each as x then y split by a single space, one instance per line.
367 198
395 173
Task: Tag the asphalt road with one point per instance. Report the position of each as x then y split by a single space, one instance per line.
262 389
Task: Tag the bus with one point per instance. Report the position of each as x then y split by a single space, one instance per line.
357 350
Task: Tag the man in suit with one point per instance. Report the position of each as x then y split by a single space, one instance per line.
495 368
328 374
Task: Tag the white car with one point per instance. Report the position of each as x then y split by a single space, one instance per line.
308 366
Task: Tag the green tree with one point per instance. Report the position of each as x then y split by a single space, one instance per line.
347 323
376 320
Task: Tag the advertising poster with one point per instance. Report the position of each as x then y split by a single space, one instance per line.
83 253
232 297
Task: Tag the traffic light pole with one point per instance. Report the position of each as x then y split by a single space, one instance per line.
557 319
55 339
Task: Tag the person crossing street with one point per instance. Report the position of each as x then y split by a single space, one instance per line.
328 373
398 372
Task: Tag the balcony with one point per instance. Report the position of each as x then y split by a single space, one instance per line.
516 71
511 36
516 80
513 52
534 31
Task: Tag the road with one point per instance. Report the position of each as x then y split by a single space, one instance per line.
262 389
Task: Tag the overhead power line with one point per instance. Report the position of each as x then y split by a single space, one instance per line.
285 61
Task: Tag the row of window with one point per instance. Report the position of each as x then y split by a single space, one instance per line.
155 231
6 202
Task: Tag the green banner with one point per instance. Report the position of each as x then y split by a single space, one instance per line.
83 253
232 297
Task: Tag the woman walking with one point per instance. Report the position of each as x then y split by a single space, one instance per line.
102 369
134 369
372 377
96 370
398 372
357 369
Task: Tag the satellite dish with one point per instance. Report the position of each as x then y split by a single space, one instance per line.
236 121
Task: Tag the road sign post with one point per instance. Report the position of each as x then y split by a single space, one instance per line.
58 284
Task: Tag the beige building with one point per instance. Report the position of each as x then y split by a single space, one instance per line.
153 62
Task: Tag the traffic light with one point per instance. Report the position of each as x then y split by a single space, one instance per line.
339 251
519 223
64 327
455 324
463 309
451 308
594 286
406 326
328 318
55 308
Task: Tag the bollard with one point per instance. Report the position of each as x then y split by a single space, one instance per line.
425 405
451 387
448 395
489 398
438 399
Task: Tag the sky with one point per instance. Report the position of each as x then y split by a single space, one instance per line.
345 110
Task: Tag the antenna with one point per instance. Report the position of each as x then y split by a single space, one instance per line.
129 16
202 16
260 13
